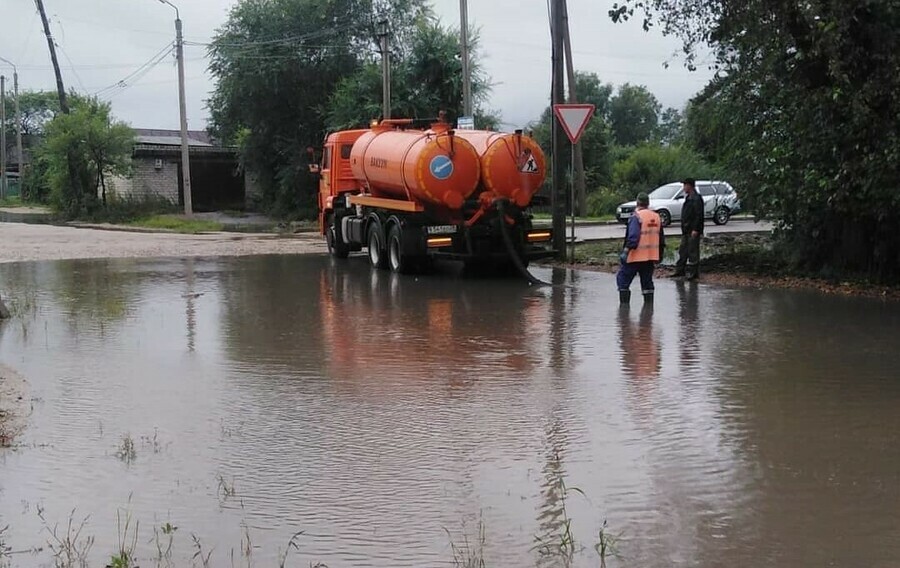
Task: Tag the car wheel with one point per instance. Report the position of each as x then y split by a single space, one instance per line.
377 256
721 215
664 217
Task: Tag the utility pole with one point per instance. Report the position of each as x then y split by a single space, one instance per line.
60 89
18 119
2 137
580 204
74 180
558 197
464 47
385 69
182 108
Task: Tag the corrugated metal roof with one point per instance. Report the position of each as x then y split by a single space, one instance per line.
171 137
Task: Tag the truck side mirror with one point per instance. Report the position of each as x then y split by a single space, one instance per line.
314 167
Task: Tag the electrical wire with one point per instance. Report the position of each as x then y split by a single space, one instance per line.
136 75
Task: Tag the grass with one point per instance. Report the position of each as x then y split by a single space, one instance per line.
10 202
177 223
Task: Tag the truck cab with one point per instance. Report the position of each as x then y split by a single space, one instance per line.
335 176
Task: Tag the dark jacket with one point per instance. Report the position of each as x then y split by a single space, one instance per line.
692 214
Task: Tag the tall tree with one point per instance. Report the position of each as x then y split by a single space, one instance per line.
427 78
597 137
633 115
809 96
277 64
98 146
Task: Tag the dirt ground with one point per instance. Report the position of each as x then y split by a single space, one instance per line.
24 242
13 405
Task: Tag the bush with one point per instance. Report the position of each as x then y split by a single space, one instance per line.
604 202
119 210
652 165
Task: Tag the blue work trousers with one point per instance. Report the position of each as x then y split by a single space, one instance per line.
629 270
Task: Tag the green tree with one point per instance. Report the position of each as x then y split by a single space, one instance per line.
37 109
671 126
425 78
808 95
277 64
99 146
633 115
597 138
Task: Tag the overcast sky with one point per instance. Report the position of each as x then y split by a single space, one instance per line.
103 41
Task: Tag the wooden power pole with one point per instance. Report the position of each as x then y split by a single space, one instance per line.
74 180
60 89
580 205
558 197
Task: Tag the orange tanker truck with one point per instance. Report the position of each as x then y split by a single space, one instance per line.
409 194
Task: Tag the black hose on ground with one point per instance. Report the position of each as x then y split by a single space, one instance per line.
511 248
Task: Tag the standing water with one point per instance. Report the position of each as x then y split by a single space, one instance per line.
272 406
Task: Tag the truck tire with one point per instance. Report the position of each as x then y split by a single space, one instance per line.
336 245
377 253
397 261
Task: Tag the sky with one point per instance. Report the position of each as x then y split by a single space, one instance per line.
102 42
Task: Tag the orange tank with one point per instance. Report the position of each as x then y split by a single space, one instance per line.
434 166
512 165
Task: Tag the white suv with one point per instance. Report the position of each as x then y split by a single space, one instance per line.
719 198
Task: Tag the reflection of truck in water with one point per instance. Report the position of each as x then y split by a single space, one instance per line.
438 333
409 195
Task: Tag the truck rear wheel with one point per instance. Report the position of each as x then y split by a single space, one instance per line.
397 260
377 256
336 245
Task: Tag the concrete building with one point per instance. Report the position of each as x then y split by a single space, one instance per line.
217 181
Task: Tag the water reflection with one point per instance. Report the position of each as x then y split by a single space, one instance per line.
689 326
374 412
384 326
641 359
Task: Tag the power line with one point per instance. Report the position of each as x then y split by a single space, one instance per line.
136 75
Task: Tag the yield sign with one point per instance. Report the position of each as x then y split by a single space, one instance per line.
573 118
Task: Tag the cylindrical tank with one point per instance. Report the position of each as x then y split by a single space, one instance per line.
512 165
433 166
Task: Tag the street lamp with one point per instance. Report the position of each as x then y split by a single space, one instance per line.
185 154
18 129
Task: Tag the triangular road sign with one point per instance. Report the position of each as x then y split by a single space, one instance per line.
574 119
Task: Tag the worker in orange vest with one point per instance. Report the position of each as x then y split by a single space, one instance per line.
644 247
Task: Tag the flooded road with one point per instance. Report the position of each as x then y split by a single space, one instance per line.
387 417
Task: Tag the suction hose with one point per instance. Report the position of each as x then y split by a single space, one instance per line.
511 248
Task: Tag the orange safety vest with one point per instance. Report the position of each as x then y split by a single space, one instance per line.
648 244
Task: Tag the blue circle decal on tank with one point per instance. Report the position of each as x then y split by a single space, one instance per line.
441 167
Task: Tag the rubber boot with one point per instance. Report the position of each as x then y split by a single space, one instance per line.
648 297
624 296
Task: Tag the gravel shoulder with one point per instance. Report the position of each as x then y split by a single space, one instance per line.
28 242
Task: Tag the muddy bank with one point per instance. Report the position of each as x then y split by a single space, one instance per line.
49 242
743 260
13 405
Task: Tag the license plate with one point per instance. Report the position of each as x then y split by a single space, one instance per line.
441 229
624 215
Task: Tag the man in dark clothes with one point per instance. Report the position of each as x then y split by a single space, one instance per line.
688 264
